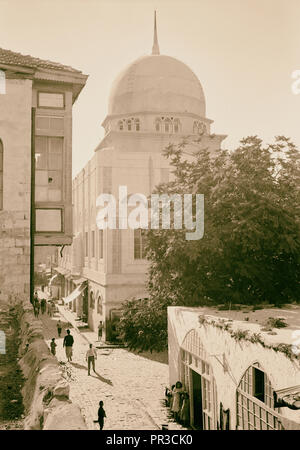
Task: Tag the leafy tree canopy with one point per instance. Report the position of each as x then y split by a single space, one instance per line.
250 251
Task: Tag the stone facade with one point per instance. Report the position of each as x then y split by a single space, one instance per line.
36 99
15 134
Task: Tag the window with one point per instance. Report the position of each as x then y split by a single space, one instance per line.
258 384
86 244
99 305
168 126
47 122
51 100
255 402
137 124
157 125
176 126
48 169
93 244
92 300
129 125
100 244
120 125
139 250
1 175
199 128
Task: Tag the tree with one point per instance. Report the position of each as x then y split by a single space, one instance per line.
250 252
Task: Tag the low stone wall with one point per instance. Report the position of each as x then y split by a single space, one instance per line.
45 392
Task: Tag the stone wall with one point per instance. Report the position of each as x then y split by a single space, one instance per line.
15 134
46 391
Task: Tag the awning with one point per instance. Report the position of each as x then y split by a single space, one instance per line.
51 279
74 294
289 397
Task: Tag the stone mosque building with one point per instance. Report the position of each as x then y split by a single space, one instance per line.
156 100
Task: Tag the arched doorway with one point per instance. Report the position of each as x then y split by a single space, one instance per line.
255 401
197 377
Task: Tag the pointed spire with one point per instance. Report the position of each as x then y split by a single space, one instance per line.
155 48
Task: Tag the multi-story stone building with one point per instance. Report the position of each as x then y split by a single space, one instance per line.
156 100
36 98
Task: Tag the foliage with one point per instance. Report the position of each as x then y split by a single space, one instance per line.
143 324
250 252
112 334
276 322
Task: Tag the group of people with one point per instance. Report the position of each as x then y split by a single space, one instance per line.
178 401
91 356
42 306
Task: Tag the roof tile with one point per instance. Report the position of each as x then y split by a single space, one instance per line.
17 59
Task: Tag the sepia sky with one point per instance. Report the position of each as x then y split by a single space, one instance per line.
243 52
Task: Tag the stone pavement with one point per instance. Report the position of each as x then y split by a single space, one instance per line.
131 386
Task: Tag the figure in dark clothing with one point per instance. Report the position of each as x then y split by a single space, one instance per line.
36 307
101 415
68 344
43 306
59 328
53 346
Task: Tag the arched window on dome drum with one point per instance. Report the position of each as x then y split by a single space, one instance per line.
176 125
1 175
201 128
157 125
137 124
168 126
129 125
255 402
120 125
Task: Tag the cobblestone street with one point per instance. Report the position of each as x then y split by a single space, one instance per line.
131 386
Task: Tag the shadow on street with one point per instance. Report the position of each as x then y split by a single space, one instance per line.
96 374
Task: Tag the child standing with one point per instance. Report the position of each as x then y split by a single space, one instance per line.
52 346
101 415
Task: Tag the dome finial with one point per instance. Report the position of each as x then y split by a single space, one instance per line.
155 48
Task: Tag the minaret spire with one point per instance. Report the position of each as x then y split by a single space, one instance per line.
155 48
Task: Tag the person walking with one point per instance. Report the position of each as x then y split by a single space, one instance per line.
53 346
68 344
101 415
91 356
43 306
100 329
36 307
59 327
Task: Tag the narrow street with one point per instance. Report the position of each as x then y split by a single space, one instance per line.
131 386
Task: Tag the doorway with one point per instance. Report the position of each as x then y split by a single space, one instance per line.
197 400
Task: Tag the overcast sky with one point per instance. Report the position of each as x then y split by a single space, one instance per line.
243 52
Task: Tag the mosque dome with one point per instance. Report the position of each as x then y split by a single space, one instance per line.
157 83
